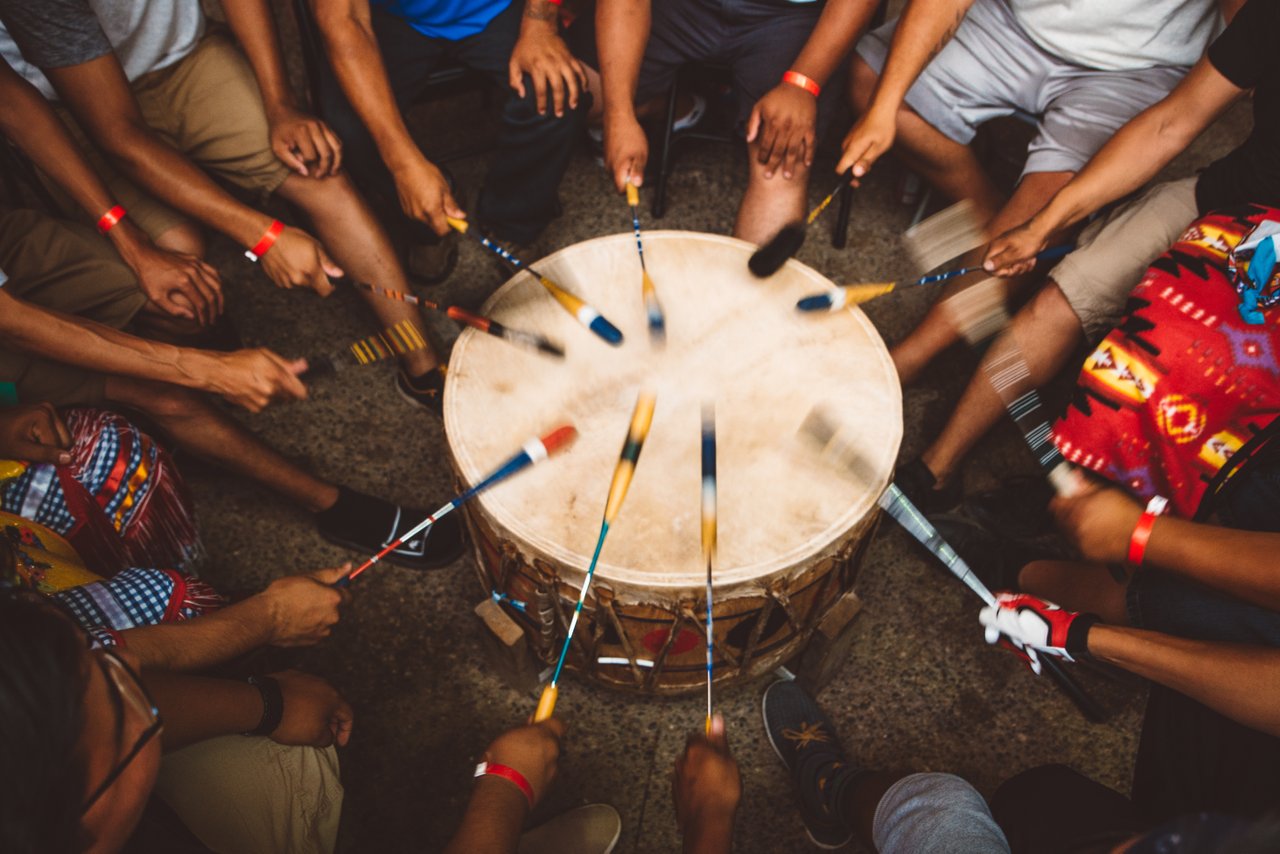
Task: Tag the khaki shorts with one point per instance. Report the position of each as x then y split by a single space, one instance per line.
241 794
1114 253
207 106
66 267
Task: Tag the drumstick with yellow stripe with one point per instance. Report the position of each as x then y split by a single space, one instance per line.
396 340
653 308
583 313
709 531
641 418
769 258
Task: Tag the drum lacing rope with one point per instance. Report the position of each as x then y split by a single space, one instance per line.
604 596
684 612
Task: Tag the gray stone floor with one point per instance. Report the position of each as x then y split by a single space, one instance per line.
919 691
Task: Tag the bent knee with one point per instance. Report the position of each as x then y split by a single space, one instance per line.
185 238
862 83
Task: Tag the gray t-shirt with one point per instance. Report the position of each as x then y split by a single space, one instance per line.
147 35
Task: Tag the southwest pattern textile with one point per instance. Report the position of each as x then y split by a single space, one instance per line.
1183 382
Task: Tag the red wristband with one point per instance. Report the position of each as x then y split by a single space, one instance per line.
267 240
507 773
1142 531
108 220
808 84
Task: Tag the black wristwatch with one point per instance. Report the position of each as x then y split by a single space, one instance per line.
272 705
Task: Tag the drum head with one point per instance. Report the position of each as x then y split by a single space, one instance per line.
732 339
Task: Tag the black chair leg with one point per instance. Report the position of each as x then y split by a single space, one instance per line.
664 153
840 232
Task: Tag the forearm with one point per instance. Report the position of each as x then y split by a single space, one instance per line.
833 36
255 28
1241 563
203 642
1240 682
493 820
622 31
922 32
197 708
709 835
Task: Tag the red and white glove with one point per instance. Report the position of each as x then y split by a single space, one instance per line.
1028 625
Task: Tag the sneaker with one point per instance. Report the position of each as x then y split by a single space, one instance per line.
805 741
431 261
1018 508
367 524
920 485
590 829
426 391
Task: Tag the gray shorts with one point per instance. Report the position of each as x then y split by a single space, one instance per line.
991 68
935 812
1114 253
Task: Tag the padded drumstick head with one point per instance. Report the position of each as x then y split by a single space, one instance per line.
768 259
606 330
559 438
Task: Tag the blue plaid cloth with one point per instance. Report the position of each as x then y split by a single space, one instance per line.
135 597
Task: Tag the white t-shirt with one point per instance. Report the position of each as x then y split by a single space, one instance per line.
146 35
1120 35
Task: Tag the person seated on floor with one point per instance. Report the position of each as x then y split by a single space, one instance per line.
1086 292
928 80
69 360
383 52
787 61
1045 809
149 88
246 766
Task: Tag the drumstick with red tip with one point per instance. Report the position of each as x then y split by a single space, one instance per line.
641 418
533 451
653 308
709 530
583 313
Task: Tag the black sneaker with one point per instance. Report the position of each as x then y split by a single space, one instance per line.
805 741
920 485
367 524
426 391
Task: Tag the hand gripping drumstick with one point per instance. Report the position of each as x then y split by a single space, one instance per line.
585 314
533 451
709 529
768 259
641 418
653 308
858 294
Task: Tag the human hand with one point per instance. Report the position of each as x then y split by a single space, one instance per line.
425 195
180 285
533 750
34 433
255 378
706 785
297 260
315 715
1099 521
543 55
784 121
1014 252
299 139
304 608
869 138
626 150
1028 626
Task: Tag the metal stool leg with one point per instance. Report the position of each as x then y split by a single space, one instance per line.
664 152
840 232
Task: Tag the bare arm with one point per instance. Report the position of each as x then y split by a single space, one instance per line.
622 31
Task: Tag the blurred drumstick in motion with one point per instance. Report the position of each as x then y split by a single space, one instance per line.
641 418
393 341
533 451
653 308
820 429
769 258
858 294
583 313
709 531
484 324
944 237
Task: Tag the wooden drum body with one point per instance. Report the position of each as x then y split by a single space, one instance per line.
791 530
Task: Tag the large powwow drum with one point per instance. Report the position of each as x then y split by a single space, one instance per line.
792 530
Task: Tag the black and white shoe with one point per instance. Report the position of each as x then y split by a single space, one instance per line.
367 524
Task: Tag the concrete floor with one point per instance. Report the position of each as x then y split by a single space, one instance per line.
919 691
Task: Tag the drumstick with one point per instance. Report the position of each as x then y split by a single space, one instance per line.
533 451
653 308
858 294
767 260
530 340
709 529
641 418
585 314
396 340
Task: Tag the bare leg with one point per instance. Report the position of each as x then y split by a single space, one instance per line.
936 332
770 203
347 228
204 430
1077 587
860 805
1046 330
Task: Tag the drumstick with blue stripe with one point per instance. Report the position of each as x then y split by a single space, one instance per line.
532 452
709 531
652 308
583 313
858 294
641 418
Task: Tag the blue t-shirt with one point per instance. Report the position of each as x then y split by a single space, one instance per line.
444 19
